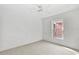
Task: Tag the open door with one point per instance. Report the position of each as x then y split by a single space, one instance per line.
58 29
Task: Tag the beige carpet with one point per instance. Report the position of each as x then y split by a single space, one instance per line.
40 48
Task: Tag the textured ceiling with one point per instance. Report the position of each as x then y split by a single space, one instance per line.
47 9
53 9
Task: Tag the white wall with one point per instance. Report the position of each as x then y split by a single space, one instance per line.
1 26
71 31
19 26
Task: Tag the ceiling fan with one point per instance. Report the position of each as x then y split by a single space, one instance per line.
40 8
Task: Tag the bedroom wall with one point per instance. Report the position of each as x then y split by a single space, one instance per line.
71 28
1 26
19 26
